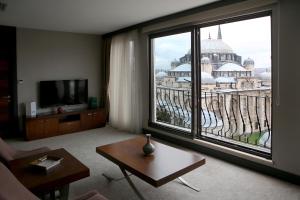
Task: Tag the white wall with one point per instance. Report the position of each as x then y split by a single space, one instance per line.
286 118
50 55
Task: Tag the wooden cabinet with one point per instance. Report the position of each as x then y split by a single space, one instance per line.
41 128
34 129
51 127
92 119
57 124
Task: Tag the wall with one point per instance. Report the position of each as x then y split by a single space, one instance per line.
286 143
50 55
286 120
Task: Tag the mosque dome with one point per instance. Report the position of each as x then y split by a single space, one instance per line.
215 46
161 74
182 68
207 78
248 61
205 60
229 67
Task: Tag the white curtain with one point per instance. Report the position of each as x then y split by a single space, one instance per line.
124 88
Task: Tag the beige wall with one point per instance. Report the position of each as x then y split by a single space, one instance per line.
50 55
286 120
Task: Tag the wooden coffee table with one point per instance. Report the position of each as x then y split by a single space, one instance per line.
69 170
164 165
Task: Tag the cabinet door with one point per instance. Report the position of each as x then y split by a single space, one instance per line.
86 120
51 127
34 129
98 118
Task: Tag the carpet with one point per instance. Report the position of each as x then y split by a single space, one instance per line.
216 179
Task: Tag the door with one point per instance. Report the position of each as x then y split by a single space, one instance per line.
8 108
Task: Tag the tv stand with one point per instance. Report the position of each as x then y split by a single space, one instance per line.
44 126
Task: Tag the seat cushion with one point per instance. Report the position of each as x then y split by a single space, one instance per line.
91 195
11 188
6 152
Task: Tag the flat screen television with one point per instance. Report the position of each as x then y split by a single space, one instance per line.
63 92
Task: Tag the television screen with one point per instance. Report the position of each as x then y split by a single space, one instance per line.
63 92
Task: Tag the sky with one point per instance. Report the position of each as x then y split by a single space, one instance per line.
248 38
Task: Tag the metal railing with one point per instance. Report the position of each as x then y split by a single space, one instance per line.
239 117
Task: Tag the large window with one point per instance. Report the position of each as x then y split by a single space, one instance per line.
172 80
231 71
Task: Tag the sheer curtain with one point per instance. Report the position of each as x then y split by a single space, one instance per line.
124 88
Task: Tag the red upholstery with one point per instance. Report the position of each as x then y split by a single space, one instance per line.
11 188
7 153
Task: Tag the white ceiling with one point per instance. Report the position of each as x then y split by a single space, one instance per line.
89 16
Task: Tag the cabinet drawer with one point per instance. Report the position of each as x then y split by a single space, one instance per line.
68 127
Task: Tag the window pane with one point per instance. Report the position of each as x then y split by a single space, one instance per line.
172 80
236 83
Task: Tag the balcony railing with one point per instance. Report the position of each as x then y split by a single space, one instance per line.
239 117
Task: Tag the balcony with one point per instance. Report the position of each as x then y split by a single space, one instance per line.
238 117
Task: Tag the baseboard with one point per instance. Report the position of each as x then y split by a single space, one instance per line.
286 176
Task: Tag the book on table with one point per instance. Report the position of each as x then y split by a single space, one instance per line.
46 163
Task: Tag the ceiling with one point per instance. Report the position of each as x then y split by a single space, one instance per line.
89 16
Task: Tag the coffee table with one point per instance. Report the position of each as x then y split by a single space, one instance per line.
164 165
69 170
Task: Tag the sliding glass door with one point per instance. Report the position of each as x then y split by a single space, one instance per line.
172 80
216 77
236 84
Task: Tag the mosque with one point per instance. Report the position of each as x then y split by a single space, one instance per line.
236 97
221 68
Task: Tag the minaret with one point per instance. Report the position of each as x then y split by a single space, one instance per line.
219 33
209 36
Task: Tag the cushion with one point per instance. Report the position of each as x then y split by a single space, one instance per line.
11 188
6 152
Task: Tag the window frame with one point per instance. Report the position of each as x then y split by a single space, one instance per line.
151 122
196 75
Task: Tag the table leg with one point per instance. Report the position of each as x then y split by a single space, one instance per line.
109 178
131 184
184 182
64 192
